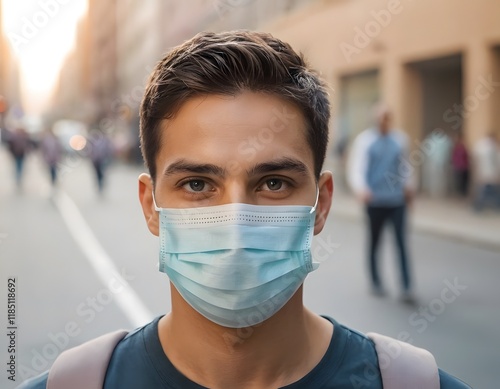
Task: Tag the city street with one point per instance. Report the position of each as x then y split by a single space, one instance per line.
85 264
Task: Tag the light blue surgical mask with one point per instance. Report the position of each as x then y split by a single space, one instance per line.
237 264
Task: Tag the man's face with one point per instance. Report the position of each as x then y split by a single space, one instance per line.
249 148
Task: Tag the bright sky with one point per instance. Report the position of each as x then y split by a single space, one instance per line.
41 33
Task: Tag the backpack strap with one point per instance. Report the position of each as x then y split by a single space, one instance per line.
403 365
84 366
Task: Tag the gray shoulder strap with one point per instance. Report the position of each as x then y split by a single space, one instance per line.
403 365
84 366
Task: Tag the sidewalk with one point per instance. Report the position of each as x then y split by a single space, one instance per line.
448 218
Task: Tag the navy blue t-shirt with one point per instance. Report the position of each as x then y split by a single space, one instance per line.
139 362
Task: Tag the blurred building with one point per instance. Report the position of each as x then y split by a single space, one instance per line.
436 63
9 72
102 52
87 84
72 98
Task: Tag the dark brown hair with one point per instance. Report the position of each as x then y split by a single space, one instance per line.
225 64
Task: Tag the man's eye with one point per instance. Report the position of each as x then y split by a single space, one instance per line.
274 184
195 186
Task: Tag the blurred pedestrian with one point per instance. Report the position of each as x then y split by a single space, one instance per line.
460 164
19 145
436 169
487 172
101 152
340 156
3 112
378 174
51 150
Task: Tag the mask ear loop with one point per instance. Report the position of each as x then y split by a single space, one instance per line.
316 202
158 209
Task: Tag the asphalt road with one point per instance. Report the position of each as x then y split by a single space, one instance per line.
85 264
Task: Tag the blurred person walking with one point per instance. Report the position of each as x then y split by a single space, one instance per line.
51 150
101 151
19 146
487 172
460 164
380 179
436 169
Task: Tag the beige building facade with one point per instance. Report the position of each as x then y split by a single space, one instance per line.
436 63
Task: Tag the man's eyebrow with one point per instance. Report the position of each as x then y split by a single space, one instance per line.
287 164
184 166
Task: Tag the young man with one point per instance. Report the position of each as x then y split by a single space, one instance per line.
234 128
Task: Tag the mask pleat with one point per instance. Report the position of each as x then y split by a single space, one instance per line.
232 275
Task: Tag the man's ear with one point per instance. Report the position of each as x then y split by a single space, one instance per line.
146 199
325 185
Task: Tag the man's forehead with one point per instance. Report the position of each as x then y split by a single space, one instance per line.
260 105
248 128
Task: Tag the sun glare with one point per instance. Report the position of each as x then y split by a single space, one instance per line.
41 33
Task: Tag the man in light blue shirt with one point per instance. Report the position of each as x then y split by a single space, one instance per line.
378 173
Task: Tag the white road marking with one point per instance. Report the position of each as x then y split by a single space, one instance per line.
127 299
